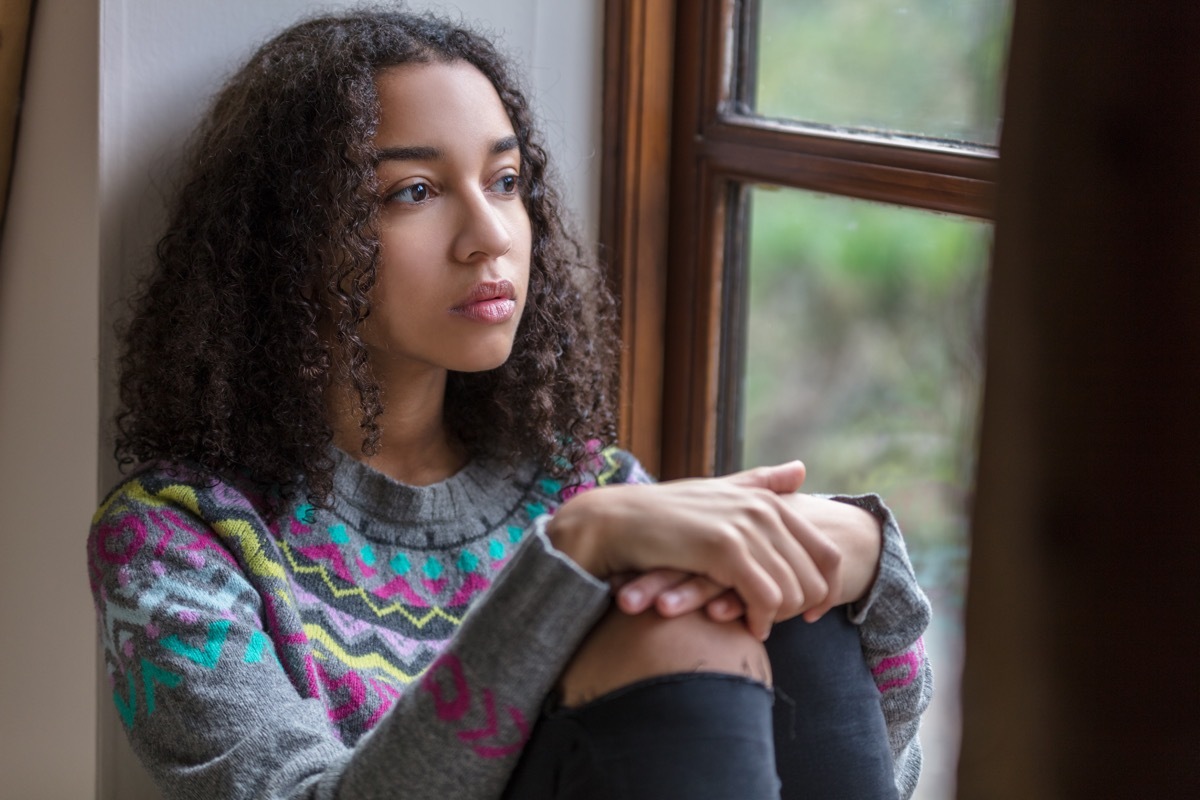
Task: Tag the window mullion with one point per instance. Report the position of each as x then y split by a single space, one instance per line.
734 315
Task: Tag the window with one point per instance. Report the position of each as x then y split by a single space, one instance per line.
801 245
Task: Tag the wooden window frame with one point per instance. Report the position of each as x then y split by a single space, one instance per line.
680 150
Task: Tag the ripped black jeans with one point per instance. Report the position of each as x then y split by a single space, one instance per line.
709 736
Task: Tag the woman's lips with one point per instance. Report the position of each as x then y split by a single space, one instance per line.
490 302
495 310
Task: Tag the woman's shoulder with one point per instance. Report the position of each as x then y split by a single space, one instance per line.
615 465
606 466
182 486
164 520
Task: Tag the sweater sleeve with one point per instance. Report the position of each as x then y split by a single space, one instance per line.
891 619
215 710
507 655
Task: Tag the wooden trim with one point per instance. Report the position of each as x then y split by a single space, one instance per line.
1092 370
635 181
671 183
925 174
699 209
719 146
15 16
895 150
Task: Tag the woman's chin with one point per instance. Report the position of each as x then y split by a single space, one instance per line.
483 360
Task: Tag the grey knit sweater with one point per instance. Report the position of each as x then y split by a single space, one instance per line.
330 653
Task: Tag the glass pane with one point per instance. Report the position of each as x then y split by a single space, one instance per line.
927 67
863 360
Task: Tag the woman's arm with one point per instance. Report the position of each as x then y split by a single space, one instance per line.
853 532
892 618
225 693
877 583
739 531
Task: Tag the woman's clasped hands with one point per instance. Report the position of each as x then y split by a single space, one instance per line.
743 544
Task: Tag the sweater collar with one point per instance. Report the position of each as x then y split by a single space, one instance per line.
480 491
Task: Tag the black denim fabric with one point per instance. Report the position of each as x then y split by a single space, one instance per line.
711 736
830 735
696 735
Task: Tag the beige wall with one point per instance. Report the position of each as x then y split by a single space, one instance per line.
48 420
113 87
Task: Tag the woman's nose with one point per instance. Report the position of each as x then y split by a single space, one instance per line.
483 231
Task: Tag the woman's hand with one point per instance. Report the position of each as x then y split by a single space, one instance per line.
741 532
855 532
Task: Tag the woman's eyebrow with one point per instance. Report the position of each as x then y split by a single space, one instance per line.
427 153
418 153
505 144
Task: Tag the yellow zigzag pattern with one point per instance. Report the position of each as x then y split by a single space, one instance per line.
339 592
239 530
609 455
185 497
372 661
257 560
132 491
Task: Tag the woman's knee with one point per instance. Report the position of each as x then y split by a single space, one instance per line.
623 649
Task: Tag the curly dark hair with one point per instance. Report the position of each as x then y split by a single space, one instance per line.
253 307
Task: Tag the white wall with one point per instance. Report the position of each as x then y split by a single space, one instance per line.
113 88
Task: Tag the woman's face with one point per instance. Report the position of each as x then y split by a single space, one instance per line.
454 233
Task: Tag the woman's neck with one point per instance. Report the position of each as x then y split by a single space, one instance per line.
414 445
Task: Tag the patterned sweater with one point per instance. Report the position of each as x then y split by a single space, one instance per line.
330 654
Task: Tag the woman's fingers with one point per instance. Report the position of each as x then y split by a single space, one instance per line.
764 529
810 555
691 594
674 593
757 573
726 607
780 479
683 545
636 594
857 537
816 561
804 563
735 532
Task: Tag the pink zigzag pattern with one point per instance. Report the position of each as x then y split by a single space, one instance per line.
492 729
452 709
201 539
332 554
387 697
399 586
310 674
909 660
353 683
473 585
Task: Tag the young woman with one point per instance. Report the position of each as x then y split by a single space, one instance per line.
368 389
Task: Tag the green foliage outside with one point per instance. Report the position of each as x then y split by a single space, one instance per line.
864 360
864 352
928 67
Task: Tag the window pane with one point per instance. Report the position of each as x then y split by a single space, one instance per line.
863 360
926 67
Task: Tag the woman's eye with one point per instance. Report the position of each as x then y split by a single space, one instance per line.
416 193
506 185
